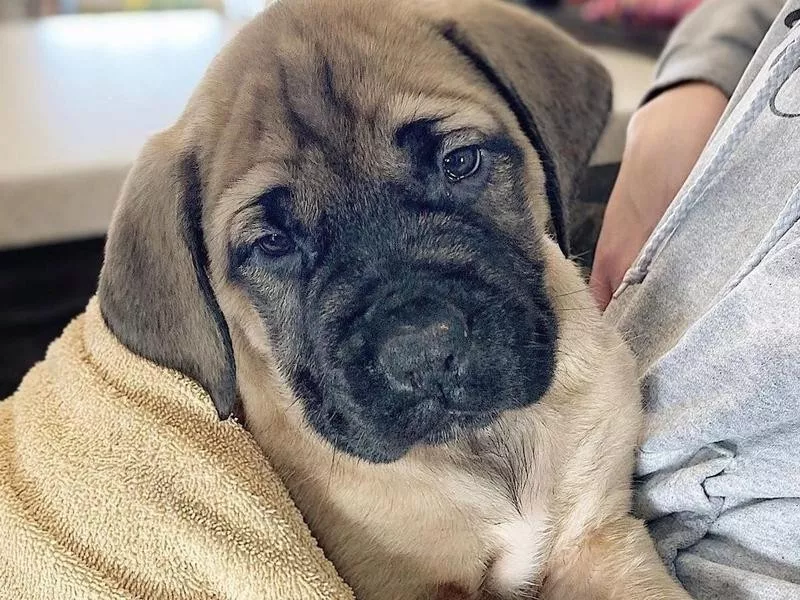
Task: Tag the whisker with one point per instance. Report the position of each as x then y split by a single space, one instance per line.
579 290
330 473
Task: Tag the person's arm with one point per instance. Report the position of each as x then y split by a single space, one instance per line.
696 74
714 44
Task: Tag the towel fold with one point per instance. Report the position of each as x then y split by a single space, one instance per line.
117 480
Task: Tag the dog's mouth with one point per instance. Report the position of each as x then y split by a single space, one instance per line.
430 424
425 356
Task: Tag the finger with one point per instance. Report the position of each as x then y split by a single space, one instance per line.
600 288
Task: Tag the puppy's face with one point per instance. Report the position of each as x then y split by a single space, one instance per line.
396 272
374 210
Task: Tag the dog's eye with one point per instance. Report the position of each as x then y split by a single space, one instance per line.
275 243
461 163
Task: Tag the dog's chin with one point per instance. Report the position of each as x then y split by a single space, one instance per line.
380 447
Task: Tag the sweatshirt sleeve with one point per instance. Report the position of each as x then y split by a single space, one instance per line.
714 43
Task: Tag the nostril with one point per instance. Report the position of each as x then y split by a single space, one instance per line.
419 345
411 379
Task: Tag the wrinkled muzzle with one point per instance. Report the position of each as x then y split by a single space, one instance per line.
422 329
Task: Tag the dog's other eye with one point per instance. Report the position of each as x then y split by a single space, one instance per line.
275 243
461 163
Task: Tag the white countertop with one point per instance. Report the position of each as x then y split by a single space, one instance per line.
80 94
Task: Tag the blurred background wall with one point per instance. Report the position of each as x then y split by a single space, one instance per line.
43 8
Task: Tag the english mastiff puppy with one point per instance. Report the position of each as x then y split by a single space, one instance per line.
354 238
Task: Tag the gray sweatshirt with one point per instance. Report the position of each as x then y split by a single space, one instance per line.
711 308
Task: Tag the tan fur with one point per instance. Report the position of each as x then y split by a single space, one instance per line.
389 543
427 526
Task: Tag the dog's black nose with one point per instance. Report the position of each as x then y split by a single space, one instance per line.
422 348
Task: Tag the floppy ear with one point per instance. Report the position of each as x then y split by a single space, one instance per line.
154 292
559 93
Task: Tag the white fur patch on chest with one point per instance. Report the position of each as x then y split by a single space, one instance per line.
521 543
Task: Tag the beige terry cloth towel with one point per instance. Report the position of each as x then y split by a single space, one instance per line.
117 480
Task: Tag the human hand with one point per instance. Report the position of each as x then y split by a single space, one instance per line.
665 138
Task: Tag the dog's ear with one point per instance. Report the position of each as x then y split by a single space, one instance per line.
559 93
155 293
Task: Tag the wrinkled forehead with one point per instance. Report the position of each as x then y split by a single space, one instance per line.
319 99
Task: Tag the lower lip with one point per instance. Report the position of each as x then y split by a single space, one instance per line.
456 422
